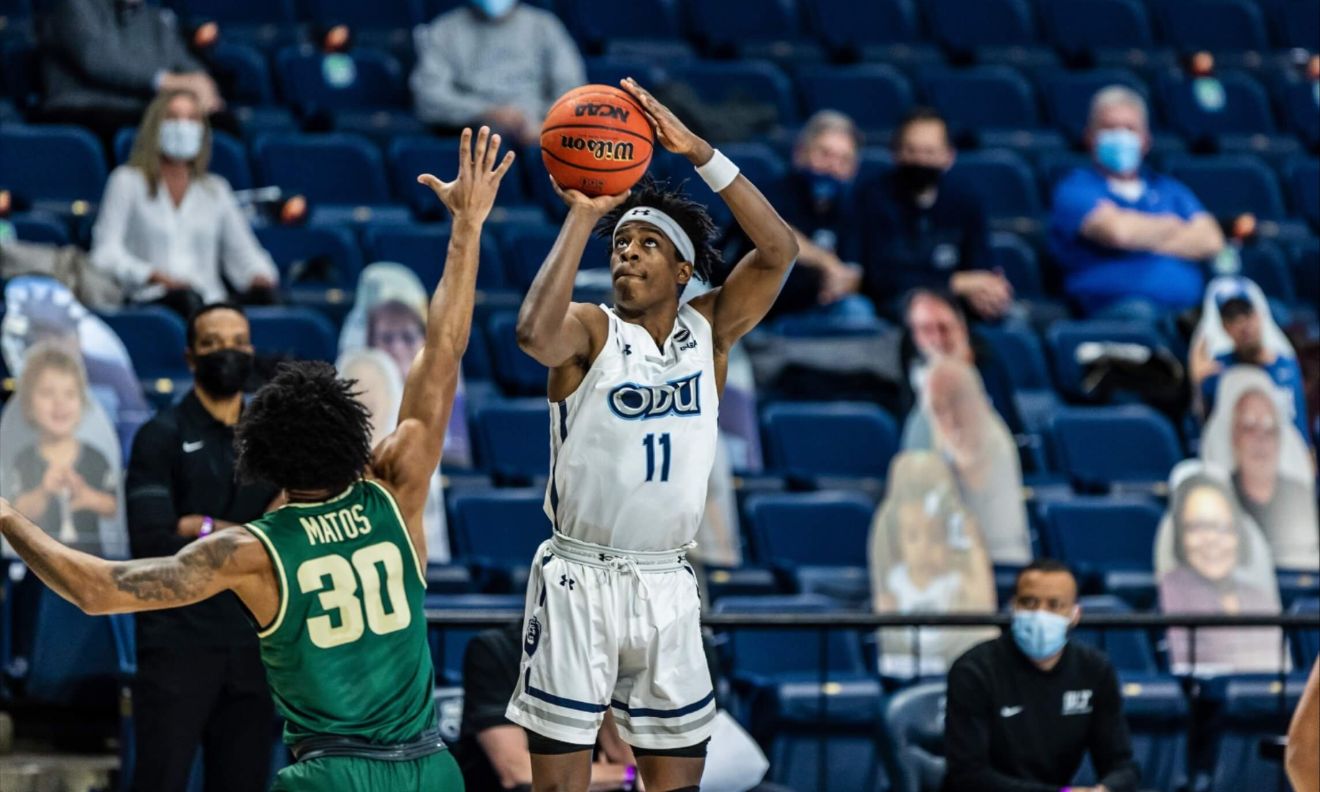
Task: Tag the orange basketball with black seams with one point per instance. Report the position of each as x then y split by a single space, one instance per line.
596 140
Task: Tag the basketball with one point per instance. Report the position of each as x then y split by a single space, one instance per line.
596 139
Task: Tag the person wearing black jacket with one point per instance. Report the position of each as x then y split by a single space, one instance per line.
200 678
1024 708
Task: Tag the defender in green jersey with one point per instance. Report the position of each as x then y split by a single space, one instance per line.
334 578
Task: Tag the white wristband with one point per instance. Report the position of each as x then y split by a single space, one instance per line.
719 172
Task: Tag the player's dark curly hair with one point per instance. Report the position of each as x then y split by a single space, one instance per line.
691 216
304 430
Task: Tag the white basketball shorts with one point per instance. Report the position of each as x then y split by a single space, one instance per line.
608 629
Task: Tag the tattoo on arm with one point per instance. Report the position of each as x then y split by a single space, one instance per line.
179 578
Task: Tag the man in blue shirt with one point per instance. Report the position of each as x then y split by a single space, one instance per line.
1128 238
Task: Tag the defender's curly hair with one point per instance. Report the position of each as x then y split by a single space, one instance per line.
691 216
304 430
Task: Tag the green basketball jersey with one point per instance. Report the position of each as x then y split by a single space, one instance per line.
347 653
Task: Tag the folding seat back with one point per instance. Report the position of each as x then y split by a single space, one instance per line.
846 440
966 25
155 339
1064 339
1301 25
743 21
423 249
1304 181
362 79
1304 259
1215 25
789 651
1020 349
503 526
1265 265
1306 640
1103 446
1228 103
845 24
914 725
243 13
300 333
1232 185
1018 261
1251 708
330 169
596 23
513 440
816 528
57 164
1129 650
516 371
241 73
380 15
76 658
1298 99
983 97
751 85
41 227
874 95
449 644
1003 180
1085 26
1158 719
1098 534
529 245
318 256
411 156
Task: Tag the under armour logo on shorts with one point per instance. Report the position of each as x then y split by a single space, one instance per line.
565 580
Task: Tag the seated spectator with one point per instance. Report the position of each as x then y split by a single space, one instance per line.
1237 329
1025 708
496 62
927 556
70 489
1272 474
169 231
817 198
103 61
1210 558
925 230
936 326
1126 237
956 421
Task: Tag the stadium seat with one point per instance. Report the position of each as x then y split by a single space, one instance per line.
981 98
299 333
1299 25
747 27
1304 183
1205 109
516 372
1068 95
51 164
611 69
751 87
528 246
387 24
819 539
155 338
1158 719
315 258
1129 650
1304 259
757 161
260 22
816 443
1232 185
1305 642
240 72
914 725
39 226
880 30
1017 261
1084 533
448 644
363 90
1264 263
423 248
1298 98
513 440
1297 584
965 26
1033 391
410 156
336 170
228 158
1081 28
20 72
498 531
1004 182
1250 708
596 24
876 96
1064 338
1214 25
1102 447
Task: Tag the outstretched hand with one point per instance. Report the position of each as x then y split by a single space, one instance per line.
470 196
671 132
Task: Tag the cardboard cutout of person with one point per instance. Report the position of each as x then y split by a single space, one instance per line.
927 555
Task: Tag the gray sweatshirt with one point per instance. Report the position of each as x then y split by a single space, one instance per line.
467 63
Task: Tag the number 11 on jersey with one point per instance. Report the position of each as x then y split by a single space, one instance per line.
650 443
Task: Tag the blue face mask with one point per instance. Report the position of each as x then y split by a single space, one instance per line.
494 8
1118 150
827 189
1039 633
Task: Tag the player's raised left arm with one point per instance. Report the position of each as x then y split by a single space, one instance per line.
750 290
227 559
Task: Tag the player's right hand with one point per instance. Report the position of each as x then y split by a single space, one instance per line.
470 196
598 206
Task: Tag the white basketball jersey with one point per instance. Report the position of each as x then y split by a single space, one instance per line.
631 449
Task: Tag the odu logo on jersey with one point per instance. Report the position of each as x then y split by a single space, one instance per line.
682 397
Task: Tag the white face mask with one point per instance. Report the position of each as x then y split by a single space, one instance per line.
181 138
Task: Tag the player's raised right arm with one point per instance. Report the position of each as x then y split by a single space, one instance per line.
550 328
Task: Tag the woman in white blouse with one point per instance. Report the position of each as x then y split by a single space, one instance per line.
170 232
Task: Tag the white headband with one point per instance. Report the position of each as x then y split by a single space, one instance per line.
665 225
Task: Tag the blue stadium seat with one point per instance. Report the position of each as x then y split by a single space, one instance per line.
874 95
1231 185
1295 585
1068 95
1086 27
261 22
20 72
1214 25
965 26
155 338
1003 180
337 169
1304 183
448 644
75 656
982 98
241 73
1304 259
362 79
1202 112
299 333
1305 642
1264 263
1063 339
595 24
745 83
886 30
1129 650
528 245
1108 544
1018 262
749 28
411 156
315 258
55 164
39 226
1250 708
1299 25
610 69
819 538
759 162
228 158
1298 98
1159 720
914 726
513 440
515 371
423 248
814 443
1033 391
498 531
1101 447
377 15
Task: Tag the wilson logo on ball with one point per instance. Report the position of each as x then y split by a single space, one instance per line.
601 111
611 150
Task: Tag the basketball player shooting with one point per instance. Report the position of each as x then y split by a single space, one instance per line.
334 581
613 617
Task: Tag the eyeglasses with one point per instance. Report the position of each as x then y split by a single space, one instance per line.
1209 526
392 337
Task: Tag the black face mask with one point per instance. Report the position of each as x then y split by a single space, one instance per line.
224 372
914 180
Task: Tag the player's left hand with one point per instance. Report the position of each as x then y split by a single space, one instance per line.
671 132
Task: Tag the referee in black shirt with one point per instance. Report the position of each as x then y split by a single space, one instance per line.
199 678
1025 707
